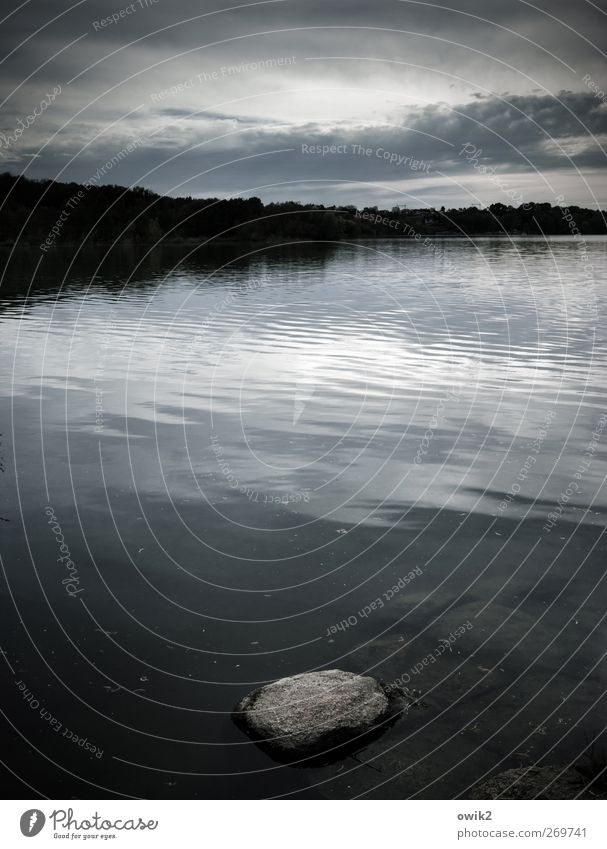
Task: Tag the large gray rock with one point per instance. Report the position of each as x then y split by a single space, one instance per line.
311 713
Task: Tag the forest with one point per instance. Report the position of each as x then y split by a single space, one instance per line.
50 213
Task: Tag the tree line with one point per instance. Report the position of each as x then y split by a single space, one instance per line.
30 209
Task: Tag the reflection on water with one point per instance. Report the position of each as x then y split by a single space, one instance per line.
246 447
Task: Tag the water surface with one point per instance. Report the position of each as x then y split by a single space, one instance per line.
244 450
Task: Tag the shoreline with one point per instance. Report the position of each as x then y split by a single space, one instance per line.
211 242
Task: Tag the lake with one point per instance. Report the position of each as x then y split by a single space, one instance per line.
224 466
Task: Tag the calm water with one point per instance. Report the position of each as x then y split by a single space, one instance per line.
243 449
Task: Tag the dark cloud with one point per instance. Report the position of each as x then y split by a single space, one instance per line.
408 78
512 129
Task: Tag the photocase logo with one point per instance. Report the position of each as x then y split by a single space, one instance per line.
32 822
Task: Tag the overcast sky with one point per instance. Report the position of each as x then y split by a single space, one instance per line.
221 99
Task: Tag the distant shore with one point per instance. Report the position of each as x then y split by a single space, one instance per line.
211 242
47 213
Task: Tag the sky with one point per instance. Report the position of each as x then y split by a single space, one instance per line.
387 102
